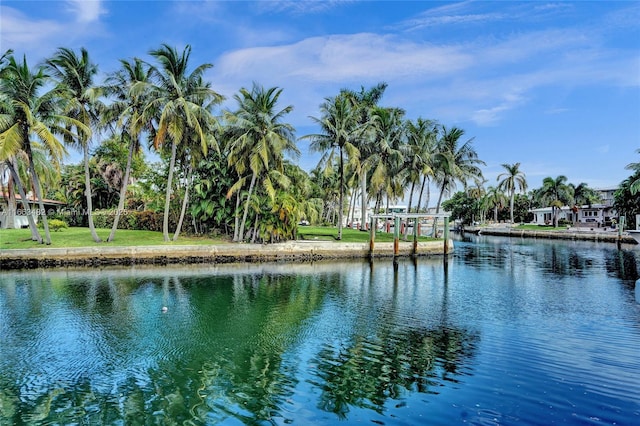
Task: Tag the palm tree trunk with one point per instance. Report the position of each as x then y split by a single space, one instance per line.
406 227
236 218
167 201
511 204
341 197
363 200
36 188
185 202
426 202
123 192
246 207
12 204
35 235
43 212
435 220
440 198
424 180
87 192
352 207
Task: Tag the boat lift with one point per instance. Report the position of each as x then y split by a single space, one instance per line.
396 229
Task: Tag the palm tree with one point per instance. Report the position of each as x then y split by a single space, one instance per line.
493 198
189 160
127 87
582 194
635 185
75 76
454 162
387 161
339 129
512 179
180 103
556 193
421 139
258 140
30 113
365 101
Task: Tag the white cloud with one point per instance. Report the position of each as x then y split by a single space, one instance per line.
485 117
86 11
300 7
38 38
479 81
25 34
347 58
452 14
554 111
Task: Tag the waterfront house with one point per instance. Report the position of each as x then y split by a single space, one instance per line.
20 218
544 215
595 215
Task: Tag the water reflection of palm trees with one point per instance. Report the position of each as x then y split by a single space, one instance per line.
227 347
398 358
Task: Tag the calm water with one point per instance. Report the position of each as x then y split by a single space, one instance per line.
504 332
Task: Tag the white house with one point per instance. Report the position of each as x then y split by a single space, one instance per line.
544 215
595 215
354 221
606 195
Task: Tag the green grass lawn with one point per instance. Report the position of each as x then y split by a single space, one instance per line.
323 233
81 237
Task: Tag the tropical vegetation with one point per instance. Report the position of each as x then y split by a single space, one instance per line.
233 173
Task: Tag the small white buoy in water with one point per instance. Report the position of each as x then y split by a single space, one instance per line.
164 309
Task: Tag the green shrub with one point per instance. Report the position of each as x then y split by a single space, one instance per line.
57 224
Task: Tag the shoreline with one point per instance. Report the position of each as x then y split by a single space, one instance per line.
15 259
596 236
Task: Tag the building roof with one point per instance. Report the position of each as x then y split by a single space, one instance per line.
5 195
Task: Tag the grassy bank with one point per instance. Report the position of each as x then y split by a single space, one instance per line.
322 233
81 237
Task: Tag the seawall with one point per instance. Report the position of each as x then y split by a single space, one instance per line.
606 237
219 253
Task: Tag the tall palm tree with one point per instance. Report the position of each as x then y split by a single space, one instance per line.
365 101
513 179
421 140
454 162
258 140
127 87
339 129
387 161
556 193
180 102
30 113
74 74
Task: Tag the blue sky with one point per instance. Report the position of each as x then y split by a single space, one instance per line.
553 85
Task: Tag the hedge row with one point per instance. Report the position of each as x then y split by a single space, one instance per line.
131 219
